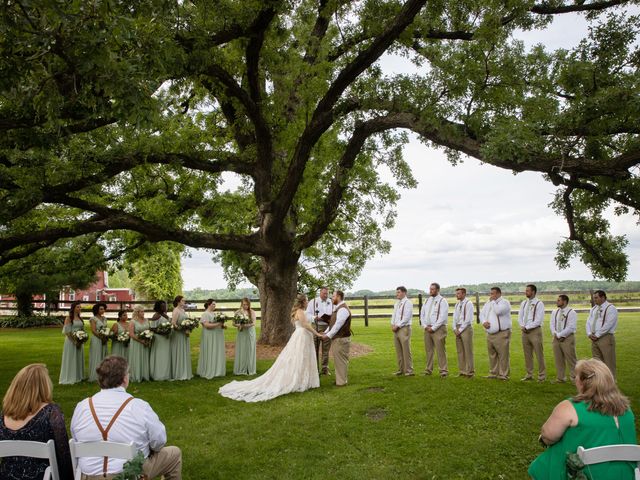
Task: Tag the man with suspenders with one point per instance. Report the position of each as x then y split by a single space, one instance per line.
601 327
463 329
321 309
433 318
495 317
563 328
530 318
401 328
113 414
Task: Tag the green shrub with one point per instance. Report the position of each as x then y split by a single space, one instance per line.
29 322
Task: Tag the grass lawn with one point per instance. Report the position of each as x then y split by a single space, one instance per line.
378 427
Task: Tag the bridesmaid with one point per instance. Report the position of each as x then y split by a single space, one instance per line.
122 325
160 363
180 348
212 362
72 368
138 348
99 347
245 361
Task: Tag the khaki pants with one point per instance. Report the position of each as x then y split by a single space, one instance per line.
498 346
340 348
402 342
436 340
167 461
605 349
532 343
326 346
464 347
564 352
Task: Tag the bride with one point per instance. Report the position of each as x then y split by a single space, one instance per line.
295 369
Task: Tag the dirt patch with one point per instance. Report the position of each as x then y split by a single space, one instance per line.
376 414
267 352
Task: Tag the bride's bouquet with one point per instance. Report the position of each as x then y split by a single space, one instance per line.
79 337
146 337
164 328
240 319
123 338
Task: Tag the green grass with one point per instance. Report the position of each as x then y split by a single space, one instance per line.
431 428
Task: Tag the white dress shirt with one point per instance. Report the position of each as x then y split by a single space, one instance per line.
137 423
498 314
324 307
462 315
563 322
341 317
531 314
402 313
434 313
602 319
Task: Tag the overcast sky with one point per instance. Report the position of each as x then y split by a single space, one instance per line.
500 229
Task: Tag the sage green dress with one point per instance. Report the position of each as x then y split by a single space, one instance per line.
245 360
180 352
593 430
139 355
119 348
97 350
212 362
160 362
72 368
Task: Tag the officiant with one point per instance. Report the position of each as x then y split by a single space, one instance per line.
321 308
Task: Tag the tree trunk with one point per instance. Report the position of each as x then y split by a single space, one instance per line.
25 307
278 286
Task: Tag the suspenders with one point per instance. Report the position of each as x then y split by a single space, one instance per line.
105 431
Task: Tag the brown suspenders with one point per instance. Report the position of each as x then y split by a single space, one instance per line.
105 431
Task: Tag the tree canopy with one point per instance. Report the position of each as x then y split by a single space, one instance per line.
121 119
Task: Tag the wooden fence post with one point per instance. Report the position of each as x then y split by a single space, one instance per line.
477 307
591 297
366 311
419 306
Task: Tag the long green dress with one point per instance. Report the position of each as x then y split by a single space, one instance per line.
119 348
160 363
72 368
212 362
245 360
593 430
139 355
180 352
97 350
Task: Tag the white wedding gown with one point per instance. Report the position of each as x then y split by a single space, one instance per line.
295 370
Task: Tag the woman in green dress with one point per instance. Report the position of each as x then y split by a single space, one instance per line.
598 415
99 347
160 363
120 348
245 359
212 362
72 368
139 347
180 347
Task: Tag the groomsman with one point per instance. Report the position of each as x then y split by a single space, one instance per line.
340 331
401 327
321 309
433 318
496 320
563 327
601 327
463 328
530 318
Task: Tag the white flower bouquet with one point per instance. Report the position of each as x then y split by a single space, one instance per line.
79 337
146 337
240 319
123 338
164 328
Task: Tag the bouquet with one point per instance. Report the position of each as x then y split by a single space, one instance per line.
220 317
187 325
240 319
164 328
79 337
146 337
105 334
123 338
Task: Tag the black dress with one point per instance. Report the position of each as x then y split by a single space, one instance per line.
47 424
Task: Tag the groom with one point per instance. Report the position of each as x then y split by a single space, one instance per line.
340 333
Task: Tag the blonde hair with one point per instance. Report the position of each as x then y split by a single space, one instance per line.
598 388
29 389
137 309
297 305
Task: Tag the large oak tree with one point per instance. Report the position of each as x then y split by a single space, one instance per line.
124 116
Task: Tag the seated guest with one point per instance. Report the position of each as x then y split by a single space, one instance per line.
132 420
28 414
598 415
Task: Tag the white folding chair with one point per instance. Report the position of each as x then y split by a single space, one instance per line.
102 448
611 453
26 448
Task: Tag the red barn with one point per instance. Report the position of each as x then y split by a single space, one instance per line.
99 291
